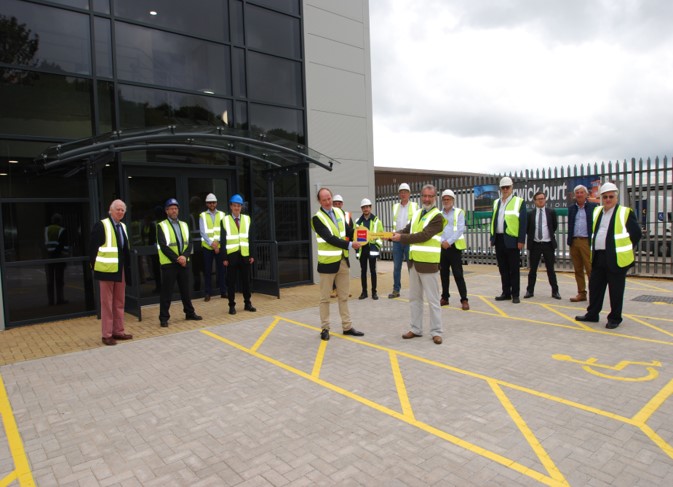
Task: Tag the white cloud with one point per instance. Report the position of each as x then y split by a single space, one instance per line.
503 85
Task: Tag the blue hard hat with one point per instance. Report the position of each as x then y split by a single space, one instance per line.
171 202
237 198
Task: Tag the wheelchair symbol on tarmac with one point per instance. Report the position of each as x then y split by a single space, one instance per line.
592 363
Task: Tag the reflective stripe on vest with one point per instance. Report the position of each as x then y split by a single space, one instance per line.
623 244
107 259
237 238
512 211
328 253
171 240
212 229
430 250
412 209
459 243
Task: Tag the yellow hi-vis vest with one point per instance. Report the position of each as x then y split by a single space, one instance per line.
237 238
412 208
212 228
166 227
374 226
328 253
460 243
107 259
430 250
623 244
511 216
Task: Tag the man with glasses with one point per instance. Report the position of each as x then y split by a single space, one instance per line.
579 239
508 235
615 233
541 231
209 228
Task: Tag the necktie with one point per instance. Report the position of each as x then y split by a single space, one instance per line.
333 217
120 234
539 224
237 224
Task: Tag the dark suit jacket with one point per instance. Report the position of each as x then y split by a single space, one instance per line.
572 215
96 241
552 225
635 233
511 242
327 236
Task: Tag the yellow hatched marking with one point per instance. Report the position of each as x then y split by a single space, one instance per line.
264 335
660 330
658 440
648 286
319 358
401 388
566 317
497 309
530 437
653 404
21 471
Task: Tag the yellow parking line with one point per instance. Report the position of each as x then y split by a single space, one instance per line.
648 286
653 404
497 309
266 333
319 358
566 317
660 330
21 471
401 388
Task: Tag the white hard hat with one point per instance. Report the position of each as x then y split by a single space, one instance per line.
448 192
404 186
365 202
338 197
211 197
506 181
609 187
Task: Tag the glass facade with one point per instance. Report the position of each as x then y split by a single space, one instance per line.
75 69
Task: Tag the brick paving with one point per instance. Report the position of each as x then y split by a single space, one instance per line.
516 395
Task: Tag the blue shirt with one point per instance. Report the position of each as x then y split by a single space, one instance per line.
581 228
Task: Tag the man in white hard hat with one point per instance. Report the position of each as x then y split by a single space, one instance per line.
615 233
402 213
338 202
209 228
422 235
580 215
369 251
453 244
508 235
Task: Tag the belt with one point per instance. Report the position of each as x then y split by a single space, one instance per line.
584 238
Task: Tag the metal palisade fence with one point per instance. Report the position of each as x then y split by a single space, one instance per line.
646 186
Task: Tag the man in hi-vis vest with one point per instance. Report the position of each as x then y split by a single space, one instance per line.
423 235
110 259
238 259
175 246
508 235
209 228
333 241
615 232
453 244
402 213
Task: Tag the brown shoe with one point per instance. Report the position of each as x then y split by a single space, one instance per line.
123 336
437 339
443 302
109 341
578 298
410 334
465 305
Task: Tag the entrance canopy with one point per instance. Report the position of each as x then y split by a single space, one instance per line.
274 152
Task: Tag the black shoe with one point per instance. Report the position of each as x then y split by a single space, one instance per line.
516 300
324 334
611 325
232 310
375 296
528 295
363 296
250 307
394 294
164 324
556 295
503 297
353 332
586 318
193 317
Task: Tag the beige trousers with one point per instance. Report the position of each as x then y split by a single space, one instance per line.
342 280
581 256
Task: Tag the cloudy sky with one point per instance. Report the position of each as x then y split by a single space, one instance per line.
500 85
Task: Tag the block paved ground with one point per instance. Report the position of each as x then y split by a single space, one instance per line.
516 395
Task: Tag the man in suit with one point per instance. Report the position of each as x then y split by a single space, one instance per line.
615 233
541 234
333 242
508 235
579 239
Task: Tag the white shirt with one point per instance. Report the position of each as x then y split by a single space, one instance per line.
602 232
500 224
545 227
402 216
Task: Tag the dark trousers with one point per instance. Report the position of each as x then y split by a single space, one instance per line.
208 257
56 282
169 274
452 260
539 249
508 265
602 277
238 266
366 257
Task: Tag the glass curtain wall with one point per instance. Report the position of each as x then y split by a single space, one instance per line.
73 69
